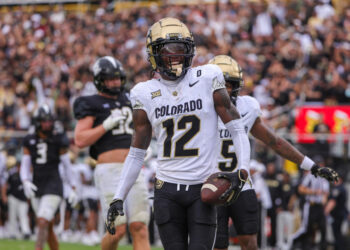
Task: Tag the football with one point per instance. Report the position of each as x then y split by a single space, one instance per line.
213 188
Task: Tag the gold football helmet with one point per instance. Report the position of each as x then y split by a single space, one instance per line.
170 48
11 161
232 72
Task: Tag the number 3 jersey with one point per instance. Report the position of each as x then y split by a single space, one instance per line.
249 109
45 158
184 122
100 108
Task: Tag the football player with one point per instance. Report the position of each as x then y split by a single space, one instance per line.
44 150
12 193
244 212
105 124
182 108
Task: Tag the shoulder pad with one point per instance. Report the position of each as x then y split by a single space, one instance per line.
252 101
214 73
209 70
82 108
137 95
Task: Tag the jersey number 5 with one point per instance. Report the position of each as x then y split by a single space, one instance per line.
228 166
180 151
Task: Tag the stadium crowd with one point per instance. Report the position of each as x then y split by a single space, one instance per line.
291 52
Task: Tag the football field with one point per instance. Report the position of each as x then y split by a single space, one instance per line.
29 245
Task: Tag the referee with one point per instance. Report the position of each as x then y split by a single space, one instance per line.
316 192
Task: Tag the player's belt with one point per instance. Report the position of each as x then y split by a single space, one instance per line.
159 184
312 203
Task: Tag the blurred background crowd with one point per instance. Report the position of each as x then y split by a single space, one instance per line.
292 53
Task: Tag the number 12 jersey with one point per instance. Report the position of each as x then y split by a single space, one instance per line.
184 121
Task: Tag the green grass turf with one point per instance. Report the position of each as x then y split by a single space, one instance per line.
29 245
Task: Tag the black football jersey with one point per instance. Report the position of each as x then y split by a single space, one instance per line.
100 107
45 157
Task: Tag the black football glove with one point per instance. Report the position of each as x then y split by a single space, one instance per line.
115 209
324 172
237 180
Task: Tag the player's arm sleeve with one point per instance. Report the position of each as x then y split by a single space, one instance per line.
82 108
39 91
131 169
241 141
65 160
68 174
24 172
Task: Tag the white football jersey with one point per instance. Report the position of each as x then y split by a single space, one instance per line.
249 109
184 122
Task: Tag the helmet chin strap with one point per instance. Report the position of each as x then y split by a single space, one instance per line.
233 99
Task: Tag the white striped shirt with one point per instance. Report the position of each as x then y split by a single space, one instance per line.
314 183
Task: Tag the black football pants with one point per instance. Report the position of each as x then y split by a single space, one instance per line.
184 221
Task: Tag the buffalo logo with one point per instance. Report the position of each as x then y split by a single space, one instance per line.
159 184
138 105
156 93
217 84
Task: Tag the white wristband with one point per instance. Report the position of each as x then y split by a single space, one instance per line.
307 163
